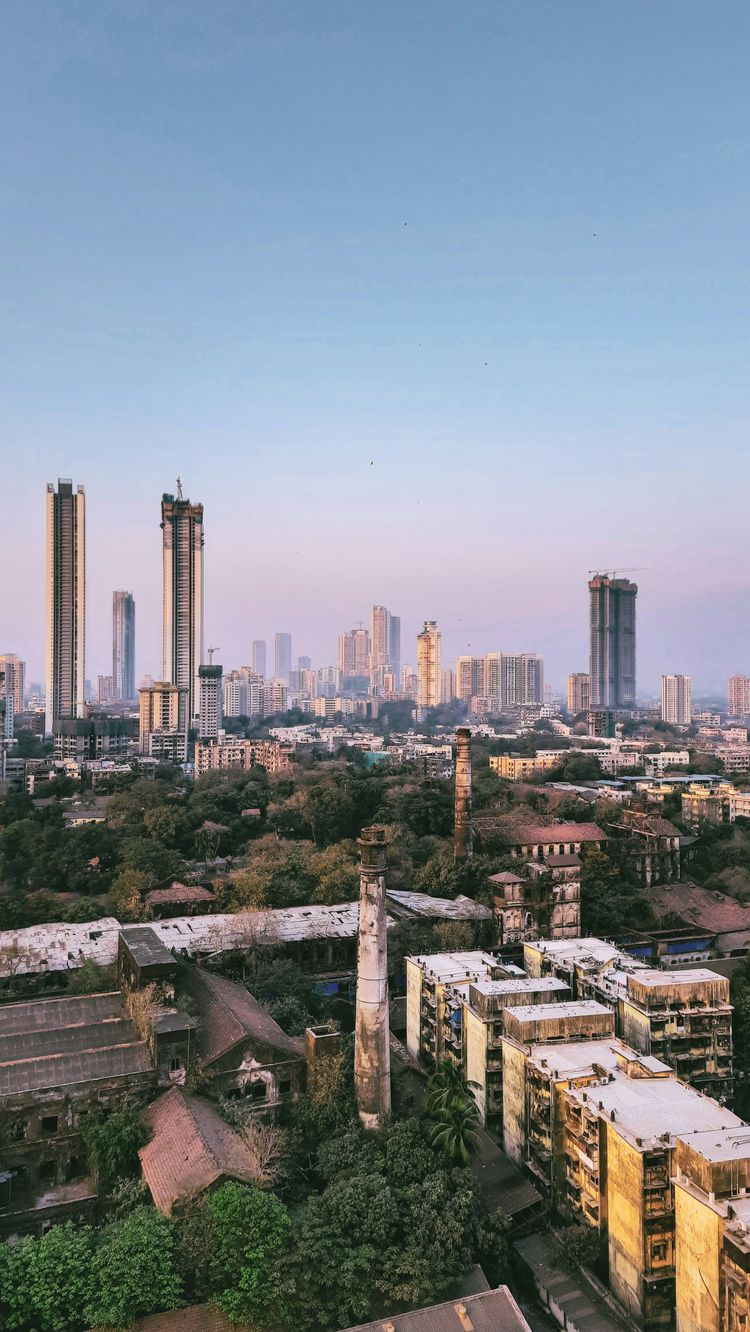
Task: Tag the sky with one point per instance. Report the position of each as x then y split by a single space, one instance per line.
433 304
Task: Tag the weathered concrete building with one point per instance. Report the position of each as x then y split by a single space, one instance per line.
619 1145
428 1002
652 845
712 1231
474 1032
684 1018
536 841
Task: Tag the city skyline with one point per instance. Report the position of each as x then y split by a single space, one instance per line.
398 330
242 652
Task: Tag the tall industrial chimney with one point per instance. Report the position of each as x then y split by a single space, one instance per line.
372 1051
462 835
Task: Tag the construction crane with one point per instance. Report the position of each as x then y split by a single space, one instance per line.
613 573
210 652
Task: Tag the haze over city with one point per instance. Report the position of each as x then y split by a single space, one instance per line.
432 306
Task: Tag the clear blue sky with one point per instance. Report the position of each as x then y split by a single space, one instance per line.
431 304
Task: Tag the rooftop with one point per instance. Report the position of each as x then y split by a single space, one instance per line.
518 831
146 947
191 1149
490 1311
229 1015
571 1059
721 1144
447 967
521 985
456 908
650 1111
709 910
565 1009
46 1044
179 892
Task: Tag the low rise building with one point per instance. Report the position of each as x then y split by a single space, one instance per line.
535 841
235 752
659 763
712 1231
651 843
517 768
84 738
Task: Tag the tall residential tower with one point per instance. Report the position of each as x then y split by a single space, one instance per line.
428 666
182 651
612 641
123 646
66 601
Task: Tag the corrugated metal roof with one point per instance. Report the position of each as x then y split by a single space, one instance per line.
490 1311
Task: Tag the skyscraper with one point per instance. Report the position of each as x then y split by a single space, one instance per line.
282 656
182 652
394 645
612 640
429 678
15 679
66 601
123 645
469 678
676 699
259 657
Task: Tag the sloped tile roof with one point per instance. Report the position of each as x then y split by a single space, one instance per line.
229 1015
190 1149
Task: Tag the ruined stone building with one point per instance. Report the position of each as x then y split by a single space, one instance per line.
651 844
190 1151
545 905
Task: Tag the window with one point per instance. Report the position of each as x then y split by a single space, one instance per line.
47 1172
49 1123
258 1091
76 1167
285 1086
18 1130
175 1064
659 1251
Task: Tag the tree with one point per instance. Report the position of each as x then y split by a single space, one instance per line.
446 1088
45 1283
134 1270
127 893
454 1130
577 1246
250 1230
90 978
113 1143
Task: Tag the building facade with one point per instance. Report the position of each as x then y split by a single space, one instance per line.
66 601
15 679
182 590
209 701
612 641
282 652
676 700
163 712
429 677
123 645
578 694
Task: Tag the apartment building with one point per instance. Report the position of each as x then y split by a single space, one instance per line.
718 803
234 752
477 1029
618 1139
578 693
685 1019
432 998
516 768
712 1231
739 695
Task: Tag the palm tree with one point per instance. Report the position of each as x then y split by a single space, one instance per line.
447 1087
454 1131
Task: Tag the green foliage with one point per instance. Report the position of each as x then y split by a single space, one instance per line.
112 1143
612 899
577 1246
46 1283
393 1224
249 1234
134 1270
90 978
338 807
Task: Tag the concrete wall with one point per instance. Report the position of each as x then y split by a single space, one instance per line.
514 1101
475 1048
625 1220
413 1007
698 1231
